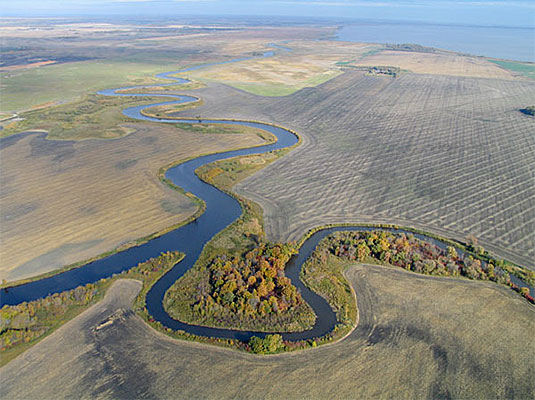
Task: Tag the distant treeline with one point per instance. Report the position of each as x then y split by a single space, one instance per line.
410 47
377 69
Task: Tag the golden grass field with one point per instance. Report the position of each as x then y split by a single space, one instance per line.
305 65
312 63
437 64
278 74
67 201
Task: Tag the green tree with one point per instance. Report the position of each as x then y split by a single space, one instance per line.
270 344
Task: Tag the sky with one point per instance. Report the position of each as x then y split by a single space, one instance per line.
471 12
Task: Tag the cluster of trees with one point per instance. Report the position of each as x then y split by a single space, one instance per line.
252 284
384 70
410 47
152 268
269 344
29 320
411 253
376 69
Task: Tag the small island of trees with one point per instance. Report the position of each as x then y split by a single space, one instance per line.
253 285
246 290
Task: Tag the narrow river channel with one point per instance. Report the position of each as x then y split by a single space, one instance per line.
221 210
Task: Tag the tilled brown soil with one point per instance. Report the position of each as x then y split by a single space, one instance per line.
418 337
452 155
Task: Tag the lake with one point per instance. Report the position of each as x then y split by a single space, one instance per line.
496 42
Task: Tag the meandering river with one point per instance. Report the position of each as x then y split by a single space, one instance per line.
221 210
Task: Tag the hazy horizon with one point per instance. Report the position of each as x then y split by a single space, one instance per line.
519 14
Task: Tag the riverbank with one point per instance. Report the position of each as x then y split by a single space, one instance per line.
221 210
25 325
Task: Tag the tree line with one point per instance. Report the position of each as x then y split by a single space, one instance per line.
411 253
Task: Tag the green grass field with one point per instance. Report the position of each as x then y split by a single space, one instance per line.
24 89
373 50
525 69
92 116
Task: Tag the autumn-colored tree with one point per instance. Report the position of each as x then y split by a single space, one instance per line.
452 253
363 251
252 283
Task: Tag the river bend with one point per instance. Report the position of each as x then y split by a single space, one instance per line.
221 210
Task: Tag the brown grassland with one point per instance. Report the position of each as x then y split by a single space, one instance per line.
66 201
